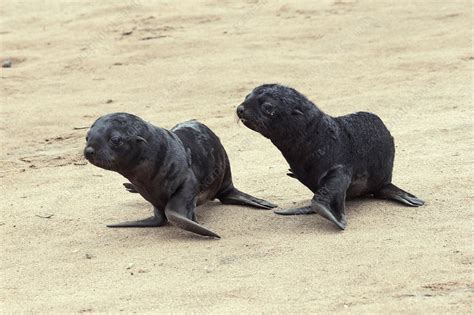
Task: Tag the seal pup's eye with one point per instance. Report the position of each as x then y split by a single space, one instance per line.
116 140
268 108
141 139
296 112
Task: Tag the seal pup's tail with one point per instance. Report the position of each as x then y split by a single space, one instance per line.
392 192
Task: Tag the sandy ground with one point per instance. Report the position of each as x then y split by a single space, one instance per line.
410 62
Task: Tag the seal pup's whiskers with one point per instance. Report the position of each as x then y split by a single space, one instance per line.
237 118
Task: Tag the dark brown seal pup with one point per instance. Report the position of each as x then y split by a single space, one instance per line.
175 170
335 157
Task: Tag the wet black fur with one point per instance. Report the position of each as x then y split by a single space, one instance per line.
358 146
174 170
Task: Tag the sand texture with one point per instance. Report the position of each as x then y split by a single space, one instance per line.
410 62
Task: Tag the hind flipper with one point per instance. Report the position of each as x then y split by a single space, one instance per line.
148 222
236 197
130 188
296 211
159 219
392 192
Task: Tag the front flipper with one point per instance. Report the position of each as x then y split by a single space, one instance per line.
330 199
296 211
189 225
180 210
326 213
157 220
236 197
130 188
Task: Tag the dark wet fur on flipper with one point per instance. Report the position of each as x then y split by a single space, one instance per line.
296 211
394 193
189 225
148 222
335 157
236 197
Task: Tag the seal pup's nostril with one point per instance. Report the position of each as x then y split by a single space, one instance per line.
89 152
240 110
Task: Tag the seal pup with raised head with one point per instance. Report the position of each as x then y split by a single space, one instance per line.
175 170
335 157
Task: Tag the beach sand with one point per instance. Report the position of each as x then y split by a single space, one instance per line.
408 62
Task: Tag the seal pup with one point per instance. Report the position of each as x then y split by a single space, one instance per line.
335 157
175 170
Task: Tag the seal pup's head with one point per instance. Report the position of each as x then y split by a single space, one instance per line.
115 141
273 110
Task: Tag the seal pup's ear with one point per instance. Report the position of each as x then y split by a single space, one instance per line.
296 111
141 139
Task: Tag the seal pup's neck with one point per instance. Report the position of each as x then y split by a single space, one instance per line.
152 153
300 136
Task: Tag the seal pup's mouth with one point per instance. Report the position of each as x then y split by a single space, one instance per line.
249 123
239 118
243 116
102 163
246 123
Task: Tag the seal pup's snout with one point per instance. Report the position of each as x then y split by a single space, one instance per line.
89 152
241 114
240 111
